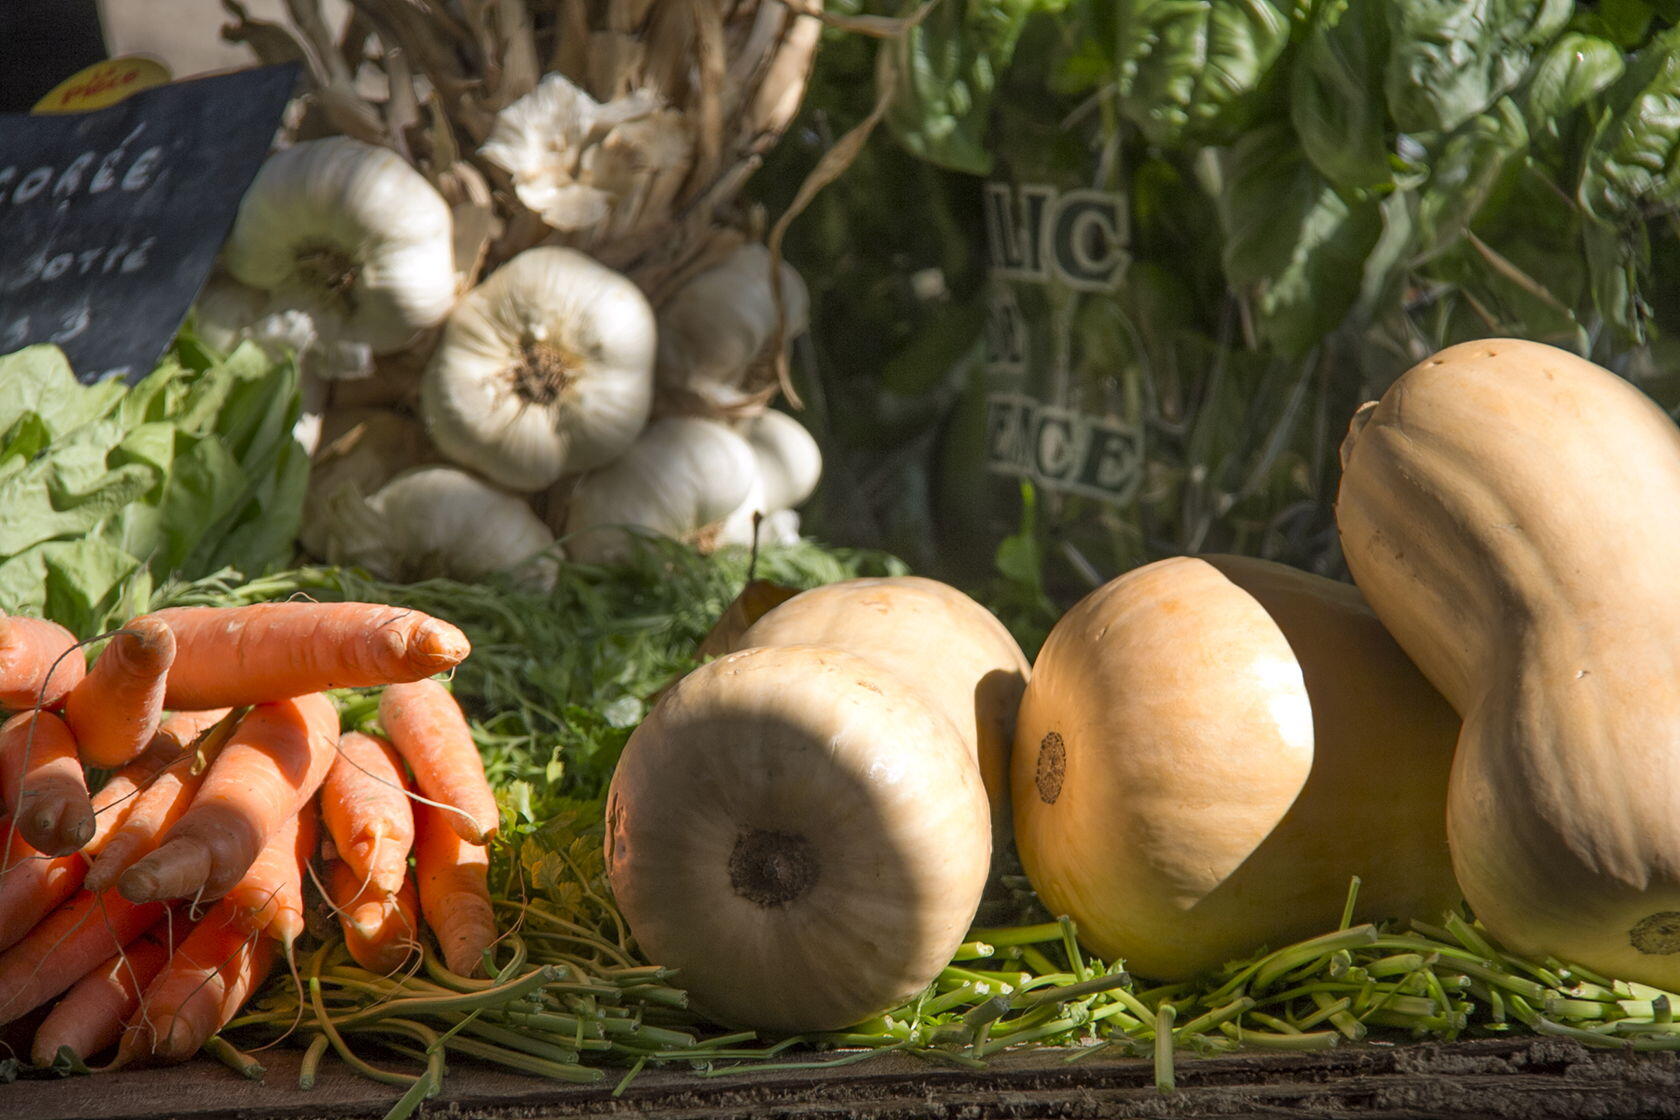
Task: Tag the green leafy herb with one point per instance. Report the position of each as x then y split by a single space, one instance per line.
947 74
1336 98
109 489
1197 70
1575 68
1450 60
1291 235
1633 160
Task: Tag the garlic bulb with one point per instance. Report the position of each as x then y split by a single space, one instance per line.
577 162
789 464
544 369
351 235
682 479
737 528
312 409
361 449
777 528
717 326
788 458
228 313
439 521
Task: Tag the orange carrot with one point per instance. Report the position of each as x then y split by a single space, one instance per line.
270 896
275 761
155 811
118 796
66 945
35 669
44 788
90 1017
230 656
32 885
365 806
381 929
181 740
454 890
201 988
155 803
185 729
429 731
115 710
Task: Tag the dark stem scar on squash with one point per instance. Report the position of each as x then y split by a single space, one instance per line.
1052 768
1657 934
772 868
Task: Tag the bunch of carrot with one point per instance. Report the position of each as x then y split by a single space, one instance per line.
156 903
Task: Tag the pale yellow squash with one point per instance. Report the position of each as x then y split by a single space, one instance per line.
1509 509
1209 749
930 636
802 837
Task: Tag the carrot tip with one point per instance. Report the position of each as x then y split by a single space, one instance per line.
132 1046
98 877
177 1045
81 829
178 869
468 829
441 643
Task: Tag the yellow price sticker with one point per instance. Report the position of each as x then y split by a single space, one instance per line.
103 83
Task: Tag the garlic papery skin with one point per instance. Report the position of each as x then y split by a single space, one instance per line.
717 326
571 157
312 411
737 528
788 458
227 313
350 234
777 528
368 446
682 478
545 369
361 450
789 465
439 521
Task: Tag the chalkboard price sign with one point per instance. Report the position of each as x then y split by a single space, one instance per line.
110 220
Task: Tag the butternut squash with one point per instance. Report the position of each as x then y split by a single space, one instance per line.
802 837
1509 511
931 636
1210 748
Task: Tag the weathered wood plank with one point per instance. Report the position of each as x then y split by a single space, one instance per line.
1530 1079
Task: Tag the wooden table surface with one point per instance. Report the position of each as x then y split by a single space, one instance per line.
1527 1078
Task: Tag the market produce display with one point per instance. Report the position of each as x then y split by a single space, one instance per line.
573 756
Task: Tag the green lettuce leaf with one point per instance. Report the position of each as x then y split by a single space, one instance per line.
1292 238
1449 60
946 72
1336 98
109 489
1633 159
1195 69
